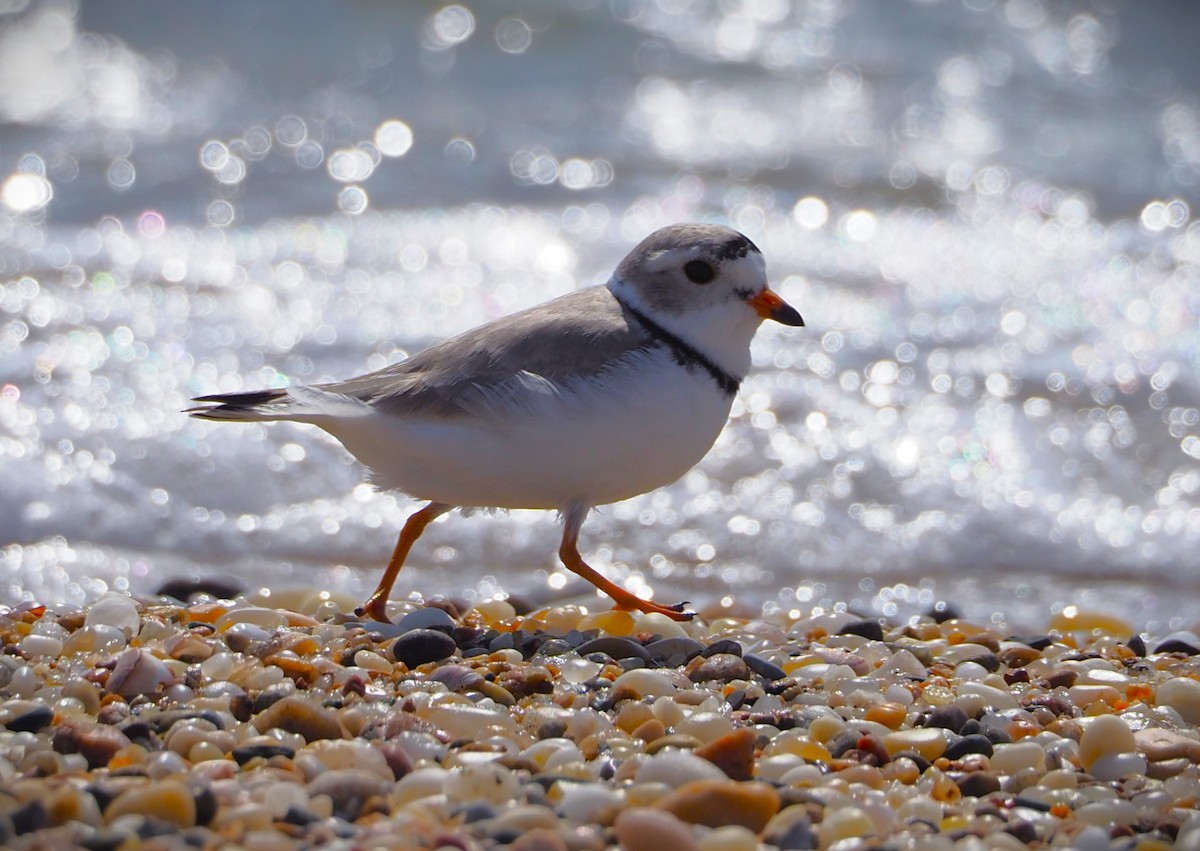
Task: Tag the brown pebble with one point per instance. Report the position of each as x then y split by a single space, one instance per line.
650 730
720 666
1158 744
645 829
717 803
733 753
349 789
301 716
97 742
168 800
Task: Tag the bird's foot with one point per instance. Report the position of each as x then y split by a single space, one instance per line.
375 608
677 612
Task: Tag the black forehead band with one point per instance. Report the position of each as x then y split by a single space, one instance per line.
737 247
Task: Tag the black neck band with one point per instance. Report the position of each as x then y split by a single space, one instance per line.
685 353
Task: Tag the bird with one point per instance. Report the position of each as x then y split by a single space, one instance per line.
596 396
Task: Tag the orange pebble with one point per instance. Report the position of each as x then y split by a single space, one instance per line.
890 715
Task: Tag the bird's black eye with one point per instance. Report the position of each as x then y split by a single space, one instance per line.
698 271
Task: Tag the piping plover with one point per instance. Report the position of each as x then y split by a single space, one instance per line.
594 397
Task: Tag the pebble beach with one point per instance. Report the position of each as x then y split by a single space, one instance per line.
279 721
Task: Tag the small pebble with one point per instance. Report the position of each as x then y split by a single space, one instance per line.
416 647
1104 736
1183 695
643 829
717 803
237 724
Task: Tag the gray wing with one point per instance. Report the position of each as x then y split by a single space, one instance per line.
538 350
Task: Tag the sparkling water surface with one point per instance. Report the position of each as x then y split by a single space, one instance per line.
984 211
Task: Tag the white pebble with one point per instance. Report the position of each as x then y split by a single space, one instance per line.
40 645
705 726
115 610
488 782
1114 766
1183 695
646 682
1011 758
732 837
23 682
774 768
268 619
421 783
1107 813
676 768
993 697
1104 735
584 803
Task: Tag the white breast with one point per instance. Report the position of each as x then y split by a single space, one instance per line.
600 440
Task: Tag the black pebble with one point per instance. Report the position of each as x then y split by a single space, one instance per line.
867 629
722 645
30 817
1137 644
418 646
299 816
184 588
1037 642
842 742
974 744
31 721
764 667
798 837
676 651
951 718
615 647
979 783
942 611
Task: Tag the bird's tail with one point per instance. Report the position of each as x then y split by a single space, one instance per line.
254 406
307 404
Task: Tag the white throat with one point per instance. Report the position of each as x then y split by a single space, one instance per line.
721 332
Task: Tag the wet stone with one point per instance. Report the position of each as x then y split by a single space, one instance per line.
673 652
417 647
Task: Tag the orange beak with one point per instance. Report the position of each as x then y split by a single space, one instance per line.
769 305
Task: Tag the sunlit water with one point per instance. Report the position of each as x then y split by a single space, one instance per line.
984 210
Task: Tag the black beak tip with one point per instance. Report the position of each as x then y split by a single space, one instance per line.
788 315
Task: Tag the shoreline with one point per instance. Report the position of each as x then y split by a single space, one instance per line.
285 723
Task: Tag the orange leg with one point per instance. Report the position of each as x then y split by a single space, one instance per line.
376 605
569 553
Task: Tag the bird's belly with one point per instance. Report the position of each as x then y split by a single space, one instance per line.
597 444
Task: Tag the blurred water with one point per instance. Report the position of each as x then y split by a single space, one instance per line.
983 209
